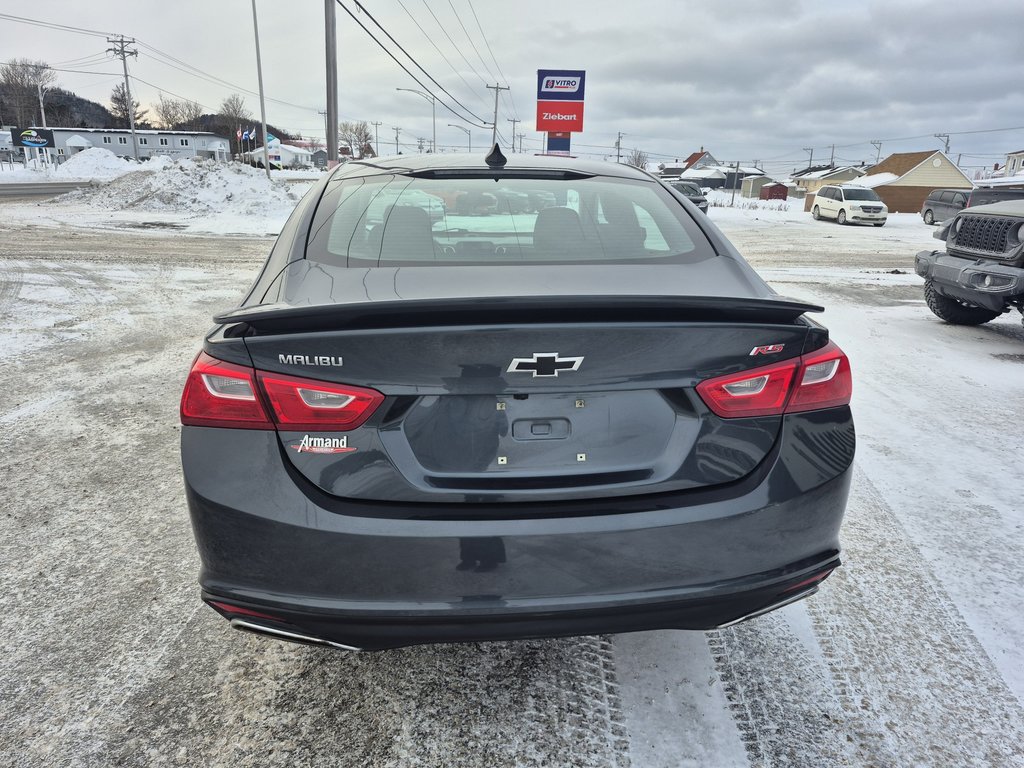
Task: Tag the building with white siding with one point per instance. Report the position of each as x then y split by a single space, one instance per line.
174 144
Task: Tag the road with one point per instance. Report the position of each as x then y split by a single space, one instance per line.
906 657
40 188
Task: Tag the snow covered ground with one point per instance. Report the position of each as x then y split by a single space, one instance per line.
909 655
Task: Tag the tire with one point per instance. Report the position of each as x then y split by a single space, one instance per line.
841 217
815 213
929 217
953 311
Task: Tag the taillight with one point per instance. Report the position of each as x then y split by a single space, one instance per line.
825 381
821 379
306 405
220 394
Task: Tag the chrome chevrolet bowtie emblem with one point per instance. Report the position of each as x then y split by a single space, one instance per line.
544 364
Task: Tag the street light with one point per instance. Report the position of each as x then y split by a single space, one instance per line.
433 109
465 131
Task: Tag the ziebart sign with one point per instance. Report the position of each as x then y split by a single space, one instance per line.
39 138
560 100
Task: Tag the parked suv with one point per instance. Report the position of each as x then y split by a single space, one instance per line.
849 204
986 195
980 275
942 204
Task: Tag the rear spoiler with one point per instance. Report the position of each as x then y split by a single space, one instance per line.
279 317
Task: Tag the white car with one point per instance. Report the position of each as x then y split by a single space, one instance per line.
849 205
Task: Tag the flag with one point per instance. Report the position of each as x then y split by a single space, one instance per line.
239 134
244 136
271 137
252 134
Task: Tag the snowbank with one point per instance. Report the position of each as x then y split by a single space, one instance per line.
190 187
94 163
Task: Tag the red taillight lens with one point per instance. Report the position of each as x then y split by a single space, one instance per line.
219 394
825 381
757 392
821 379
303 404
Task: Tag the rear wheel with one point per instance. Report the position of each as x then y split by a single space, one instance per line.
929 217
954 311
815 213
841 217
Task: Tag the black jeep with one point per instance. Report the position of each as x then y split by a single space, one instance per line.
980 275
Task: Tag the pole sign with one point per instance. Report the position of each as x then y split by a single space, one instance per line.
38 138
559 143
560 100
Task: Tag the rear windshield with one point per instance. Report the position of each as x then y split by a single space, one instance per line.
860 194
400 220
686 188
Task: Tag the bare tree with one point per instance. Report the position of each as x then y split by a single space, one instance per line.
191 112
637 159
233 110
20 80
168 112
119 108
355 135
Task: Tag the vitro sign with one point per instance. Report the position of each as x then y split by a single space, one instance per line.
560 95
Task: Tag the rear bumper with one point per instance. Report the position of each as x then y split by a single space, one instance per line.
966 279
366 581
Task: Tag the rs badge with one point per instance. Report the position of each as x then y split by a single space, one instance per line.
768 349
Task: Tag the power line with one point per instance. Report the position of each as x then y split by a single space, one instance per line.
515 109
409 56
406 69
439 51
457 49
470 38
53 25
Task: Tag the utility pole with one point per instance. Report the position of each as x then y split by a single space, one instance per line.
514 121
331 44
878 146
397 131
263 107
832 158
618 147
810 163
376 138
494 126
943 136
120 50
469 136
735 182
42 114
419 143
433 109
521 143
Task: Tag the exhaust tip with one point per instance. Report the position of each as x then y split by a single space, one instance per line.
248 625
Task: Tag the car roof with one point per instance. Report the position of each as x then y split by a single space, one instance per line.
464 161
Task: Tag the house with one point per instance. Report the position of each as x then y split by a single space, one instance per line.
699 159
904 180
814 178
280 156
175 144
1014 163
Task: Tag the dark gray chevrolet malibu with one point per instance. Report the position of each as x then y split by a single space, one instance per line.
474 398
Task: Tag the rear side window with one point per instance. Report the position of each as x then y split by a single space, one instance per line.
400 220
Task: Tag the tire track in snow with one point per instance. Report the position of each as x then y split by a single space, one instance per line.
11 279
896 677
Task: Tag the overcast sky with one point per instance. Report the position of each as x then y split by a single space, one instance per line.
746 80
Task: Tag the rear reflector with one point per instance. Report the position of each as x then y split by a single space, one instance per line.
821 379
237 610
219 394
